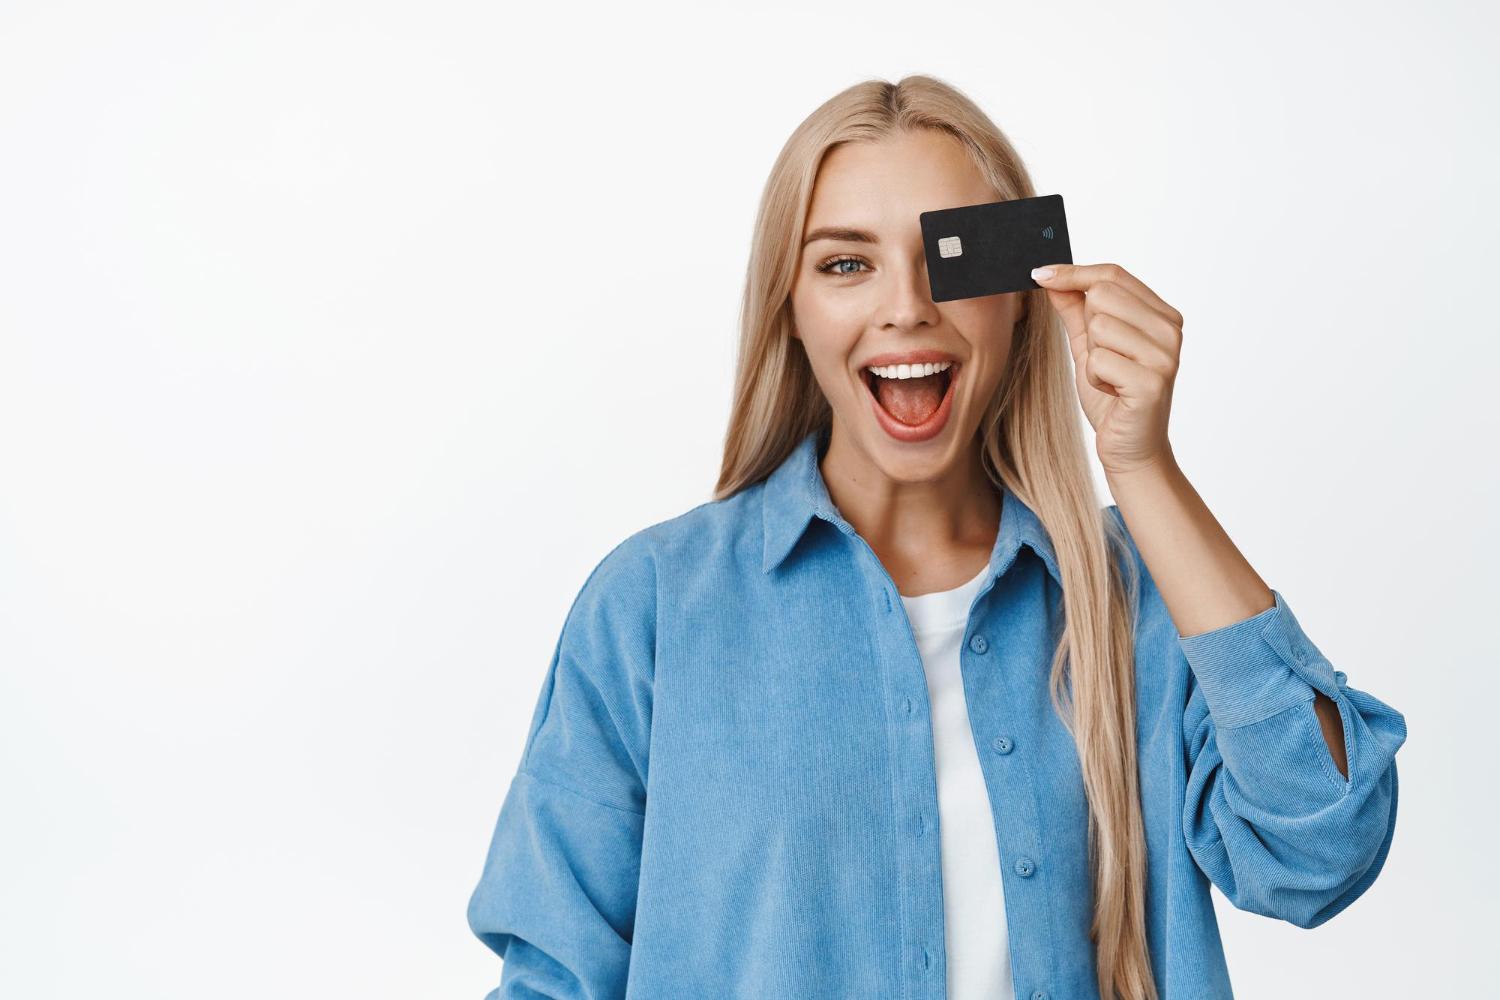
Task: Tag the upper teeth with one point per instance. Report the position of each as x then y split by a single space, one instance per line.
910 371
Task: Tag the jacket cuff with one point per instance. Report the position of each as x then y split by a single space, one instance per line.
1254 668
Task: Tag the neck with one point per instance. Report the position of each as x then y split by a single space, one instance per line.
932 524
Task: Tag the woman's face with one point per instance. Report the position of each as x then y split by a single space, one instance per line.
870 303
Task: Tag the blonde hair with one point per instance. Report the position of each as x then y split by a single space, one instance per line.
1031 440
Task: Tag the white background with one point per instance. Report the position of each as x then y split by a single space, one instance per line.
341 341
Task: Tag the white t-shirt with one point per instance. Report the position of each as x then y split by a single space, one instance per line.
977 940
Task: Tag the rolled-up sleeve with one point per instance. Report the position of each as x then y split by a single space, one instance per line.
556 899
1268 816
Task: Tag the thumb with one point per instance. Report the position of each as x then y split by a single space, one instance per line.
1064 291
1059 277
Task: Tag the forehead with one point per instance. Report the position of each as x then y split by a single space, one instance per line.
887 183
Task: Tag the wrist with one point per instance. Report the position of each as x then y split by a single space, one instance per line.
1160 469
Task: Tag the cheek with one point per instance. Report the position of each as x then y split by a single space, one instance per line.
829 333
989 327
815 311
997 314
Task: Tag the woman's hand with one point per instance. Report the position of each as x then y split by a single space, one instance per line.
1125 342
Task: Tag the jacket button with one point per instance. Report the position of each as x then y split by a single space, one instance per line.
1024 867
1039 995
979 644
1002 744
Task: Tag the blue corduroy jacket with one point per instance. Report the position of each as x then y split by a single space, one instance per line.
728 786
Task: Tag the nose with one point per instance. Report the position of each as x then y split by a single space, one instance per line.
907 297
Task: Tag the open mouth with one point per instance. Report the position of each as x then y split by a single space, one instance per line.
911 401
912 410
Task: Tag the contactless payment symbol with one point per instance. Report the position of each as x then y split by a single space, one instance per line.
950 246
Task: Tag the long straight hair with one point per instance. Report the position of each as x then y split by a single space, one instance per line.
1031 440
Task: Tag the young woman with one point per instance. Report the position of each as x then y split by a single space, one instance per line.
902 712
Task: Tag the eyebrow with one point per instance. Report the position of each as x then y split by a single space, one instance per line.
843 234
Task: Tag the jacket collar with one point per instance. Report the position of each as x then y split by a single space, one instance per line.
795 493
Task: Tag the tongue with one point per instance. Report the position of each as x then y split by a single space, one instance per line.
910 400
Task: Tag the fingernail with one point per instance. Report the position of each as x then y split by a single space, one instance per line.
1041 273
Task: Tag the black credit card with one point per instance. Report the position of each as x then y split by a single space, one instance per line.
991 248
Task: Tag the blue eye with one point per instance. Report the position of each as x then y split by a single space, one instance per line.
833 262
